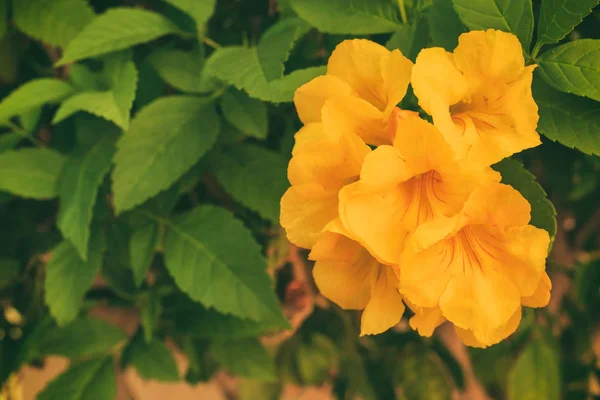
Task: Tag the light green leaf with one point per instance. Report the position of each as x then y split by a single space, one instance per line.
248 115
573 67
514 16
410 38
117 29
9 141
255 177
215 260
165 139
68 277
30 119
33 94
199 10
153 361
184 70
536 374
141 248
30 172
84 78
78 188
245 358
83 337
93 379
559 17
52 21
444 25
150 315
348 16
573 121
543 213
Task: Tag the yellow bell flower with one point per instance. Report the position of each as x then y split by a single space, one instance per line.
404 185
364 83
349 276
479 96
478 267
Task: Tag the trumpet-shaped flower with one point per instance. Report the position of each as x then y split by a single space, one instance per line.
363 84
479 96
349 276
404 185
478 267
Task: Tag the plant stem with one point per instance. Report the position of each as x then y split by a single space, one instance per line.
18 130
402 11
209 42
536 50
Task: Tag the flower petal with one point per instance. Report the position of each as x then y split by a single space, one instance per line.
310 97
497 204
541 296
396 72
425 320
473 339
385 307
384 167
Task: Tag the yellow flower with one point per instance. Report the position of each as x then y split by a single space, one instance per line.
480 95
349 276
478 267
404 185
363 84
322 163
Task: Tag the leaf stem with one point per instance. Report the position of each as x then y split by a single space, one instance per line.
211 43
402 11
18 130
536 49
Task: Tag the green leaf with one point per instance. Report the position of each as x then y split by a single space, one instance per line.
78 188
573 121
33 94
251 389
117 29
444 25
30 172
245 358
84 337
199 10
514 16
353 368
573 67
153 361
94 379
52 21
348 16
258 70
410 38
536 373
9 269
9 141
84 78
3 17
315 359
184 70
215 260
543 213
559 17
246 114
150 315
141 248
254 176
68 277
165 139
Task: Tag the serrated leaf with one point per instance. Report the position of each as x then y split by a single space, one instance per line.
444 25
543 213
246 358
255 177
165 139
348 16
514 16
30 172
82 338
94 379
535 374
570 120
68 277
52 21
199 10
184 70
215 260
33 94
153 361
573 67
244 113
84 78
78 188
117 29
410 38
559 17
141 248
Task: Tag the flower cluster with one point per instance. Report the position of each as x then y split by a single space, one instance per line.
397 210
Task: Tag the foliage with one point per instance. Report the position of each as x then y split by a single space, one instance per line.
143 154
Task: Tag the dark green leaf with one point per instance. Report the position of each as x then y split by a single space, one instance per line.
30 172
9 141
149 315
245 358
9 269
444 25
141 247
559 17
216 261
184 70
199 10
246 114
410 38
153 361
166 138
33 94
